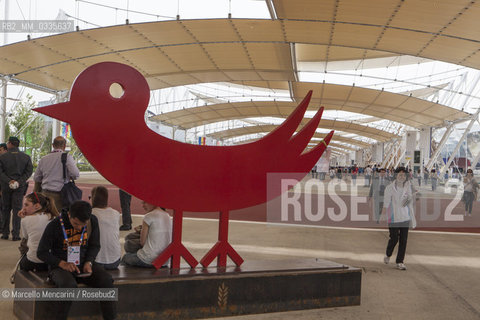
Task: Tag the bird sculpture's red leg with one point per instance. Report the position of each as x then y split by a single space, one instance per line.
222 248
176 249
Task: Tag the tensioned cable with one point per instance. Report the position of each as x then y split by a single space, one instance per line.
19 8
81 20
127 10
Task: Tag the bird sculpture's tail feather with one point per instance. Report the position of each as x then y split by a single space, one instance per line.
284 131
299 141
311 157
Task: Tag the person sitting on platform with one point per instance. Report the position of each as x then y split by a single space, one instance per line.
69 245
150 239
36 213
109 224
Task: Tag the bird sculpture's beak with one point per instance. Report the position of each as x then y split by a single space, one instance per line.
59 111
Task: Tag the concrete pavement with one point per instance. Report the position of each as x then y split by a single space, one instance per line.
442 280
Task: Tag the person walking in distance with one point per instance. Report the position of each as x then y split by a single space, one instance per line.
49 174
377 192
434 178
15 169
469 192
368 175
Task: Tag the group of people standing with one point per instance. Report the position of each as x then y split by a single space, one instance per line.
79 242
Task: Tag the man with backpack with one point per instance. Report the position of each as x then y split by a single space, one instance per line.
49 177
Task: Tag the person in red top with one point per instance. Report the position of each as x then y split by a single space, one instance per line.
354 174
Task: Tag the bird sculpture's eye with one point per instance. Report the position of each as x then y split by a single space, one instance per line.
116 90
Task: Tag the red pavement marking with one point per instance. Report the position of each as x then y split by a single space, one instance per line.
259 212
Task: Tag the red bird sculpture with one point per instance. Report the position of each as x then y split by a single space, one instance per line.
112 134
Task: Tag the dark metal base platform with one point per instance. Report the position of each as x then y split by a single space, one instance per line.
255 287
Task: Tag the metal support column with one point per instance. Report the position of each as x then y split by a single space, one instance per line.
392 158
440 147
3 110
475 161
452 156
402 154
391 154
60 96
391 148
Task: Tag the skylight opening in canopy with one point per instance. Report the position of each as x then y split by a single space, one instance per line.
452 85
191 96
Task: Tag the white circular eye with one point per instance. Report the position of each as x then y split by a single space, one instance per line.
116 90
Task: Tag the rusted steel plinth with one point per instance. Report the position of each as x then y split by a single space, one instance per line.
255 287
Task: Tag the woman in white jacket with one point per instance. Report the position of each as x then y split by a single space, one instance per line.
398 205
38 210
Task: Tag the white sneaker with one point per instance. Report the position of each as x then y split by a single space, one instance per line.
386 259
401 266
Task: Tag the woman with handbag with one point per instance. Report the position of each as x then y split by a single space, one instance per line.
36 213
470 189
398 205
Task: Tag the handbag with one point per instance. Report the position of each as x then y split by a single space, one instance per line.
70 192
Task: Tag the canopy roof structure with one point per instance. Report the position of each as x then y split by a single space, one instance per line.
404 109
266 53
361 130
336 137
181 52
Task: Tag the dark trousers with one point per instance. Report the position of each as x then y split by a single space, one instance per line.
398 233
12 201
99 279
468 197
28 265
377 209
125 199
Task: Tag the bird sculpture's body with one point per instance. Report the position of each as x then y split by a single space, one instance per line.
112 134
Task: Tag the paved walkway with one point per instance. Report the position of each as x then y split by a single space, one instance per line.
442 280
